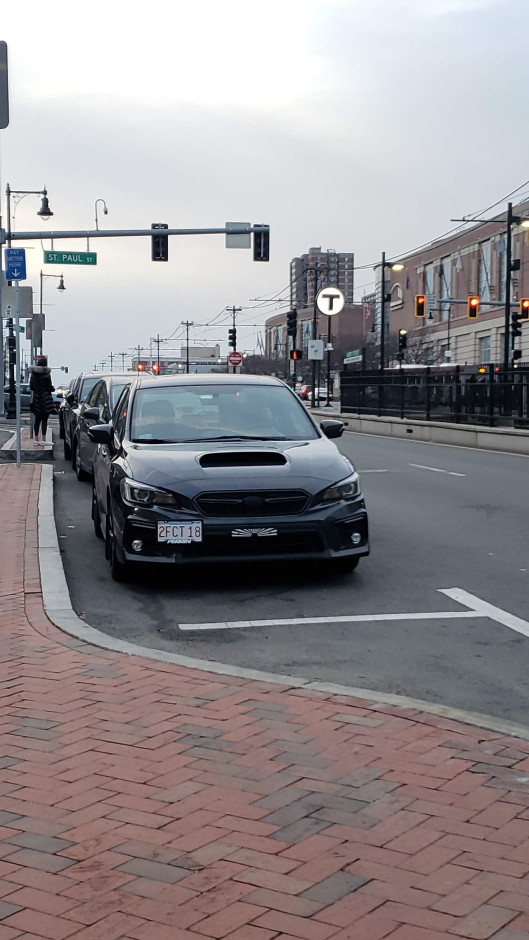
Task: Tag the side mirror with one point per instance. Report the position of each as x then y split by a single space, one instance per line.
70 398
92 413
332 428
101 433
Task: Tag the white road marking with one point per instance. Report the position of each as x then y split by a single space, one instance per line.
483 609
351 618
373 471
475 607
9 442
450 473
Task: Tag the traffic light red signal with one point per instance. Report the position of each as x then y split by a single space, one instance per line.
142 366
473 307
420 305
524 308
156 368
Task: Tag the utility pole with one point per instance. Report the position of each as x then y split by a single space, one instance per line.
508 266
111 357
122 354
139 349
234 311
187 324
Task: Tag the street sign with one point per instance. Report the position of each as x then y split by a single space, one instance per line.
235 358
15 259
330 300
4 93
234 240
315 349
70 257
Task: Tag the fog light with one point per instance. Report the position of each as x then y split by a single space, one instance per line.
356 538
137 545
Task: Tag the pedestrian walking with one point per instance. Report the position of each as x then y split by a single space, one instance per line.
42 405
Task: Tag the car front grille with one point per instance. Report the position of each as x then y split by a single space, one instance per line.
253 503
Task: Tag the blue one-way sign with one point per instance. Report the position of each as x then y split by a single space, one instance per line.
15 259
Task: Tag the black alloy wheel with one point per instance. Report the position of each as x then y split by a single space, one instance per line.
96 518
81 474
118 570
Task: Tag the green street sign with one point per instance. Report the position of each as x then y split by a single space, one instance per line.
70 257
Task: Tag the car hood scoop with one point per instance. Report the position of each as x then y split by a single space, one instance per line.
243 458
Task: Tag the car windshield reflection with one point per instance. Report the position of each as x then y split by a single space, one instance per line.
194 414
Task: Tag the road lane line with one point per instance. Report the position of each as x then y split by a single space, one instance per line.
483 609
356 618
373 471
450 473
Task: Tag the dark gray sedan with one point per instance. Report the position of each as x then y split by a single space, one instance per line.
222 468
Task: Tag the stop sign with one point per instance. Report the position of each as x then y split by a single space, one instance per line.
235 358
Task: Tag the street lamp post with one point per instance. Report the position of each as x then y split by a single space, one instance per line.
394 266
105 211
61 288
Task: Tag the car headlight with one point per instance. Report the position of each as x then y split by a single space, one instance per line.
348 488
141 494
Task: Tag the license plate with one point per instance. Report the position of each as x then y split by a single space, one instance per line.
179 533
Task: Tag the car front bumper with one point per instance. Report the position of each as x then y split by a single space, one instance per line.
323 534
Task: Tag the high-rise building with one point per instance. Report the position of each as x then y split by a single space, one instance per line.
317 269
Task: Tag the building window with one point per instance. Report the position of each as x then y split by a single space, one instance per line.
397 296
484 271
445 278
484 348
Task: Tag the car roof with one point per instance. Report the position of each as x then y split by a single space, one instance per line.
206 378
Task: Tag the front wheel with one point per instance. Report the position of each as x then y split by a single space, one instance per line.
81 474
96 518
118 570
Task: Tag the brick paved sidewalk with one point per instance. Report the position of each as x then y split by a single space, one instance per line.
148 801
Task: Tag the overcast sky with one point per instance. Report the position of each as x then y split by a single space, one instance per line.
357 125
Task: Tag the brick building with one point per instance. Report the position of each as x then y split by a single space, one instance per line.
473 261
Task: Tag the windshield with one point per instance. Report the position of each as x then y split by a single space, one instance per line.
219 412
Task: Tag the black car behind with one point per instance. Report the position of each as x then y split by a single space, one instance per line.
222 468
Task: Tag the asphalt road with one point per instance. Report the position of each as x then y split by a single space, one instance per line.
440 517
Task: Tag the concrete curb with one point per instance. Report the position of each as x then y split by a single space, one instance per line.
58 609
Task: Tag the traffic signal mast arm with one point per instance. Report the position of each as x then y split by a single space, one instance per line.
127 233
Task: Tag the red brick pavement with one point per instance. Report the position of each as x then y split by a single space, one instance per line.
147 801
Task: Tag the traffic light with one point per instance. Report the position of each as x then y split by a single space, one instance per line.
261 245
142 366
232 338
403 340
296 354
472 307
159 243
516 319
156 368
420 305
524 308
292 323
516 354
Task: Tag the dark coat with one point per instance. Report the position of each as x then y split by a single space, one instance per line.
40 383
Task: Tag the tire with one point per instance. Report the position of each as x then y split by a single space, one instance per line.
67 450
346 565
81 474
119 572
96 518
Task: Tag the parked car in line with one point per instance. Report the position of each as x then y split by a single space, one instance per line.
25 396
222 468
96 409
79 390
